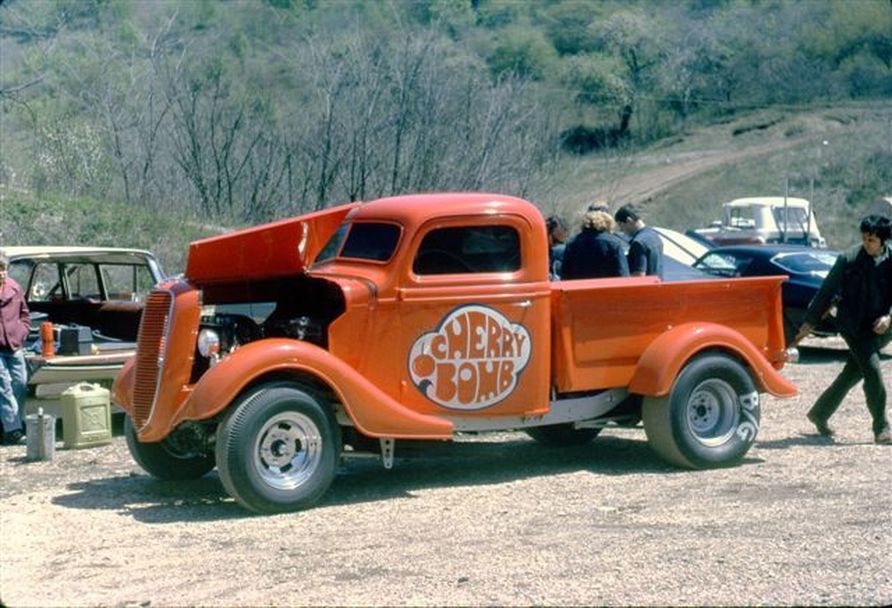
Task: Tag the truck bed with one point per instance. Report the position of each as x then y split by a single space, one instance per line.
601 327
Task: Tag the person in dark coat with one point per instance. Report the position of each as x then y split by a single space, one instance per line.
557 242
645 245
862 279
594 253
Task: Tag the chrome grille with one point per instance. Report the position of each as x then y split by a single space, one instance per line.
149 353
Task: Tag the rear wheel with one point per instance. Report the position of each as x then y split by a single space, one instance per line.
559 435
165 460
278 449
710 417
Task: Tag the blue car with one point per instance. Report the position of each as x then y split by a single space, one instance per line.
806 267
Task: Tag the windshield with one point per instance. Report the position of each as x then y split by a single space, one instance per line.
791 218
819 262
373 241
723 264
334 244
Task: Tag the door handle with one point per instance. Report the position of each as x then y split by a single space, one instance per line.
522 304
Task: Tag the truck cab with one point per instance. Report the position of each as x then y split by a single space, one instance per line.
766 219
286 347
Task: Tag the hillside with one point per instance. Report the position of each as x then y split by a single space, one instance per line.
840 157
680 182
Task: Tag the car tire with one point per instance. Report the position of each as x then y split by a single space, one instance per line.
710 418
278 449
162 459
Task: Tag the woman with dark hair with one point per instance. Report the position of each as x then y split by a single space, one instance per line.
862 278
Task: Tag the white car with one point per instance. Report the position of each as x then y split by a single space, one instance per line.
93 297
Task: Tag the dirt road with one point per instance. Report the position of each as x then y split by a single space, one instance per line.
489 520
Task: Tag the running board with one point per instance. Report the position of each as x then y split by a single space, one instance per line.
580 410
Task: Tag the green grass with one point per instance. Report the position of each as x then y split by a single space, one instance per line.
28 219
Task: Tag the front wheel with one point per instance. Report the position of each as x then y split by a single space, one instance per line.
164 460
278 449
710 417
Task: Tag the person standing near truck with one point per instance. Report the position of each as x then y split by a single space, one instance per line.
557 239
645 255
14 325
862 277
594 253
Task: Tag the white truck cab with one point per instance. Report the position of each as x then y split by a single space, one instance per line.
766 219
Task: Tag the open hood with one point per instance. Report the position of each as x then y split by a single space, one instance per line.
279 249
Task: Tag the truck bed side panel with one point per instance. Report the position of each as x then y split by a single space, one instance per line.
602 326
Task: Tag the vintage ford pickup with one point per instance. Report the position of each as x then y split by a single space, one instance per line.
285 347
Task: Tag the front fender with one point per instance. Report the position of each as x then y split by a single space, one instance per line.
372 411
122 387
662 361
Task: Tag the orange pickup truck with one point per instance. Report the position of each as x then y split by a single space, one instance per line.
285 347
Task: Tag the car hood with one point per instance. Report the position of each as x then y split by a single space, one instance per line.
274 250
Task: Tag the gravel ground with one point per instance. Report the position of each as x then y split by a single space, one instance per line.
487 520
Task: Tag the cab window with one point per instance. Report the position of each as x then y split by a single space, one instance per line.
468 249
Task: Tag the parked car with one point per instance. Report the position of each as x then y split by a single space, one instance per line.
680 251
766 219
806 268
94 297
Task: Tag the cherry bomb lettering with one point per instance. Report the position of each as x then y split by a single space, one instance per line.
472 360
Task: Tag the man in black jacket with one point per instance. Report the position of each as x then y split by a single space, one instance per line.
862 278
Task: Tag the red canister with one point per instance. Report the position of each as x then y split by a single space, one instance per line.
47 341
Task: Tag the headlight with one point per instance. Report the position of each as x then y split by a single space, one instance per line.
209 343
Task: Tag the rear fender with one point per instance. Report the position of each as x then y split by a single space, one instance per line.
662 361
372 411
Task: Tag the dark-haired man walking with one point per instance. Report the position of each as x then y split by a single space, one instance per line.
862 277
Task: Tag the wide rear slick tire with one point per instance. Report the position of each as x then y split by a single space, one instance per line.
278 449
162 459
709 419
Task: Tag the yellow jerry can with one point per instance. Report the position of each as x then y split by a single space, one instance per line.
86 418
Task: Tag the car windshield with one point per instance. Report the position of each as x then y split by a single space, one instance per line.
818 262
790 218
722 264
374 241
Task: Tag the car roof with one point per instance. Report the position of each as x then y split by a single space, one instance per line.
770 201
770 249
109 255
